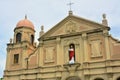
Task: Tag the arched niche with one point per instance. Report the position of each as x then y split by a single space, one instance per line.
67 43
32 39
18 37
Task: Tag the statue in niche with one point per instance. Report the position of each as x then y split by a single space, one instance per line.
71 54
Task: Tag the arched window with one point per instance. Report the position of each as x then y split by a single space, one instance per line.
18 37
71 53
32 39
99 79
118 78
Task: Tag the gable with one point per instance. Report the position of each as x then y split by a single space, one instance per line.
73 24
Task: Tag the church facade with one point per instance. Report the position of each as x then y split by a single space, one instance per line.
73 49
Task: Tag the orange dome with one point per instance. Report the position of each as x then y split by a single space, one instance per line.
25 23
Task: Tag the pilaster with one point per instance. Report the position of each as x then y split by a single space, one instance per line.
84 37
107 46
58 51
40 61
24 56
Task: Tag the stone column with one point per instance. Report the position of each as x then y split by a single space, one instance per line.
84 36
107 46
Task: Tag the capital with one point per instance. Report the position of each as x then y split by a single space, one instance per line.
58 39
84 36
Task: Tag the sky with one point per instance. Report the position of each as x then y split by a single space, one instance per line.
49 13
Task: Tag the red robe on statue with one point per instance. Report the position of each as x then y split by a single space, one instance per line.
71 53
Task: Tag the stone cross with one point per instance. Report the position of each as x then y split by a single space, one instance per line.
70 4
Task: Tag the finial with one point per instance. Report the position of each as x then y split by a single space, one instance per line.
104 16
10 40
70 12
104 21
70 4
25 16
42 31
42 28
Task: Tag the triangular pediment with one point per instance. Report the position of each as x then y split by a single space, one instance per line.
73 24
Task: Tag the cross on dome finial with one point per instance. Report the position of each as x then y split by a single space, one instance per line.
70 4
104 16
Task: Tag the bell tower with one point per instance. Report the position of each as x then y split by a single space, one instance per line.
24 31
21 46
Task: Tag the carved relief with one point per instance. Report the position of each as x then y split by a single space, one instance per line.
49 54
96 46
71 27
